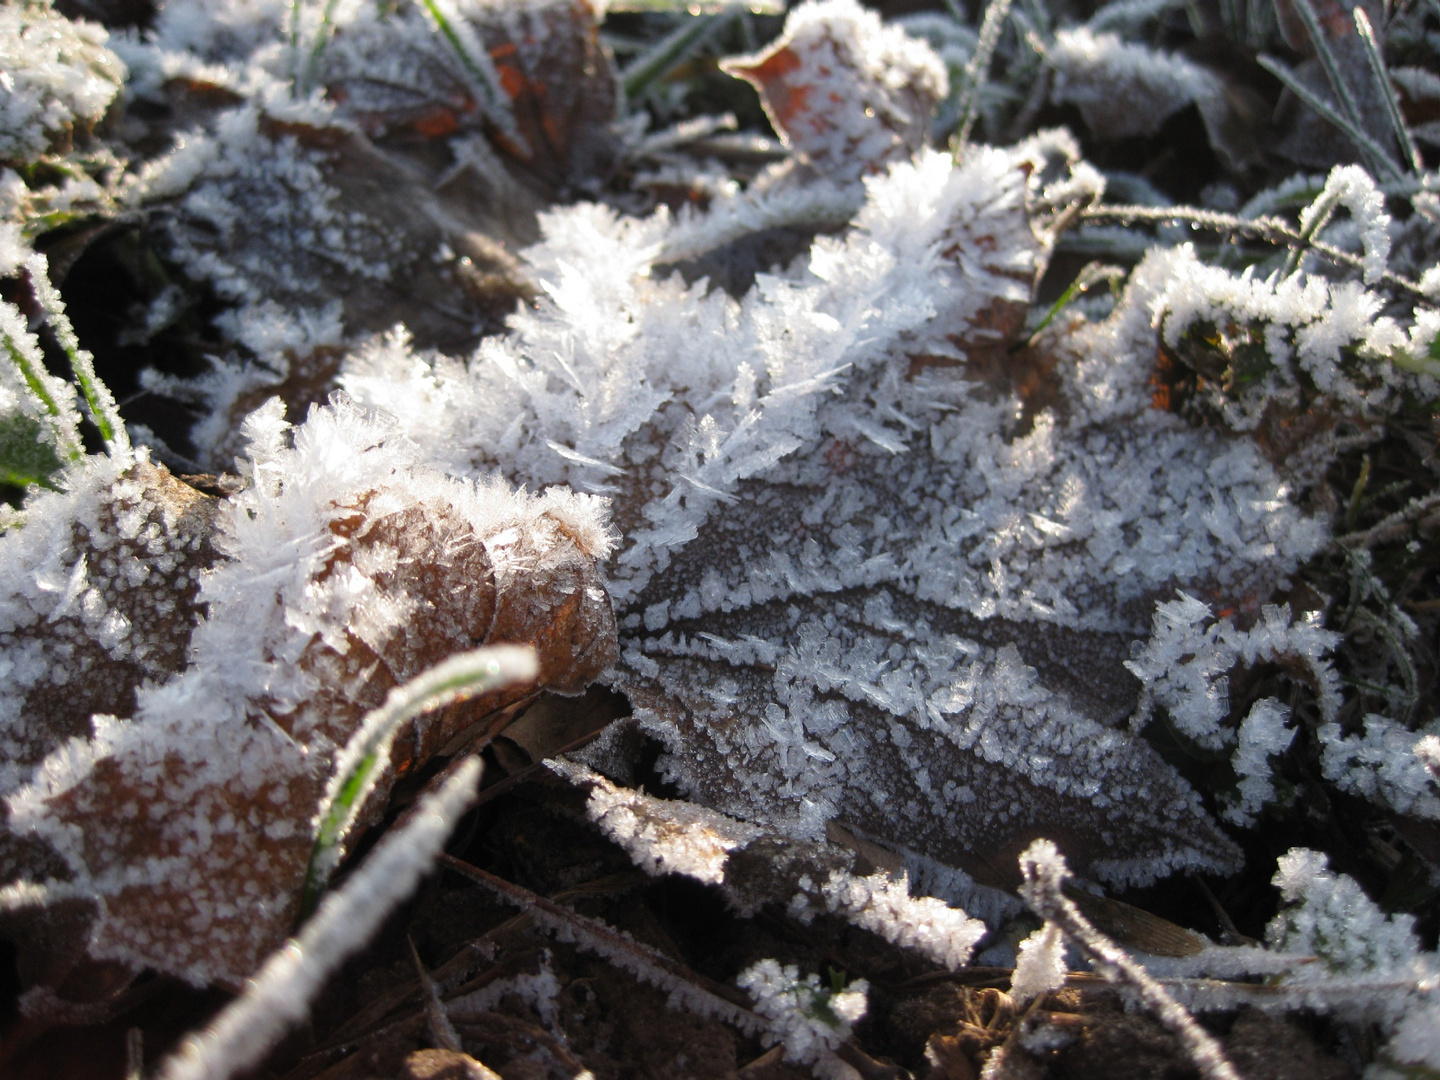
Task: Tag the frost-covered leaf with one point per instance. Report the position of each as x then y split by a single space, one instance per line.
852 586
343 569
848 93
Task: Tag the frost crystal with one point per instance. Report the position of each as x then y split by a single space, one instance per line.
1370 968
852 586
1041 965
1263 734
805 1017
1271 340
1386 764
55 75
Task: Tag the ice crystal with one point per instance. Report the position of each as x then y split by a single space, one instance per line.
1385 763
1371 967
1040 966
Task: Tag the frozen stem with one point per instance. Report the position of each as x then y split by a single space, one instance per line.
1045 873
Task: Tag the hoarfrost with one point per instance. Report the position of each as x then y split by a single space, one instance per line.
848 577
328 580
55 76
1385 763
809 1020
1121 88
1370 965
1040 966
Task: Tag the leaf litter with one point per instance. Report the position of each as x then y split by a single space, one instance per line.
866 577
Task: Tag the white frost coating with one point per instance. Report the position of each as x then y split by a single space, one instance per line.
1185 662
663 836
55 74
1041 965
1303 323
287 599
1387 764
808 1019
538 991
1371 968
846 572
1352 186
279 996
1263 734
883 905
1121 88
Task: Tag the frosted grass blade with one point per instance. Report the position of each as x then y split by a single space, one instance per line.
365 756
1381 161
279 995
1387 92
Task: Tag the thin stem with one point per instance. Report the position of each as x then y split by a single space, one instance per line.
1327 59
1271 230
98 399
1045 873
977 71
1380 161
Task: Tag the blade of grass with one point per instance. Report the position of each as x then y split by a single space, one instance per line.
667 54
98 399
47 393
365 756
279 995
476 61
1090 275
977 71
1387 91
1341 88
1368 146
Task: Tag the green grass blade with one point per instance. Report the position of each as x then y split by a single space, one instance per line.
1091 274
476 61
47 394
27 457
1387 92
366 755
667 54
1384 160
98 399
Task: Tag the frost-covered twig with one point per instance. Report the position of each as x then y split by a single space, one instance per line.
978 70
279 995
1270 230
645 963
1392 526
1045 872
